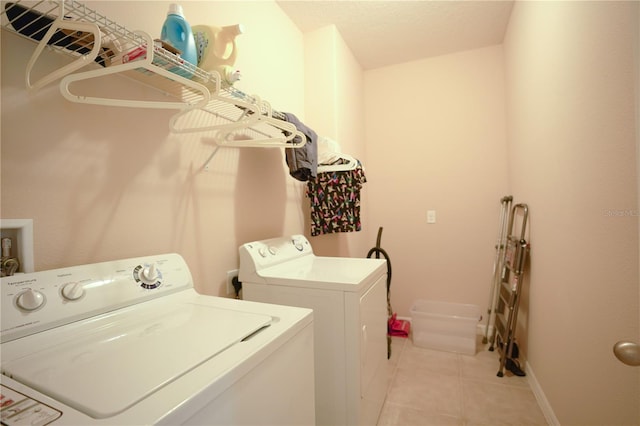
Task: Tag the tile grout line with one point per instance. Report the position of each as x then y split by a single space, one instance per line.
463 405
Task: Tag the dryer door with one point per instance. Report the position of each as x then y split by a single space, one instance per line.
373 350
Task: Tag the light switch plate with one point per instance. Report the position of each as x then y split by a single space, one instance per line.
431 216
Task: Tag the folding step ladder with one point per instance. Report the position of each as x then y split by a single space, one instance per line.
510 289
505 203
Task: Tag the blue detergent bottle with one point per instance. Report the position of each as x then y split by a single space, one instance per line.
177 31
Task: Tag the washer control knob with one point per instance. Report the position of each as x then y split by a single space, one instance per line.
148 276
273 250
72 291
262 251
30 300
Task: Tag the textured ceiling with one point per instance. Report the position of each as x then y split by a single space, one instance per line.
382 33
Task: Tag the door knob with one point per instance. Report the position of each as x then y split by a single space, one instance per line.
627 352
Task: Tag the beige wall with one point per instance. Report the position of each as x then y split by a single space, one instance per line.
636 72
436 140
104 183
571 125
334 99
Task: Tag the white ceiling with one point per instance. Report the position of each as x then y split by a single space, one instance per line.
386 32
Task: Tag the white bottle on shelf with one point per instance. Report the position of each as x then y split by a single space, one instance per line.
217 50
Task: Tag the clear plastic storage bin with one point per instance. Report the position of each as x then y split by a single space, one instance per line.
445 326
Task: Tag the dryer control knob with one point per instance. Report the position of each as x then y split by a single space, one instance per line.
273 250
30 300
72 291
298 245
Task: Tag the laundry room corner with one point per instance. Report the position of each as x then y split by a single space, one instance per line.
334 103
436 142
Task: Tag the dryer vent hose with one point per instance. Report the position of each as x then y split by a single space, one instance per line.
377 250
237 286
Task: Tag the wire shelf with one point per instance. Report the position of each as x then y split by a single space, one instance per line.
100 46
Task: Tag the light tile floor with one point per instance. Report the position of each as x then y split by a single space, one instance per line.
430 387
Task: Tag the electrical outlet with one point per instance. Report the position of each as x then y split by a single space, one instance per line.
230 276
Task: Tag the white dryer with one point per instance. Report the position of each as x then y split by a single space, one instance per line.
130 342
349 300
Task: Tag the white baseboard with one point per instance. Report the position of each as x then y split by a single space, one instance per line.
549 415
482 327
552 420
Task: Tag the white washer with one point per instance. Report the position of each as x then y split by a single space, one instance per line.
130 342
349 300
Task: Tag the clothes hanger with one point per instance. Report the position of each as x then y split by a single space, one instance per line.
350 164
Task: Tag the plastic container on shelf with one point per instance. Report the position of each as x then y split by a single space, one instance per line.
177 32
217 50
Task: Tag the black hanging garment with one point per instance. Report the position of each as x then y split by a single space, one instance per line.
335 201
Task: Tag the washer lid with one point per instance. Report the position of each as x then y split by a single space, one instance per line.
104 366
331 273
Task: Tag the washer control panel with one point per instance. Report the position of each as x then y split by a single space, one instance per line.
41 300
258 255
